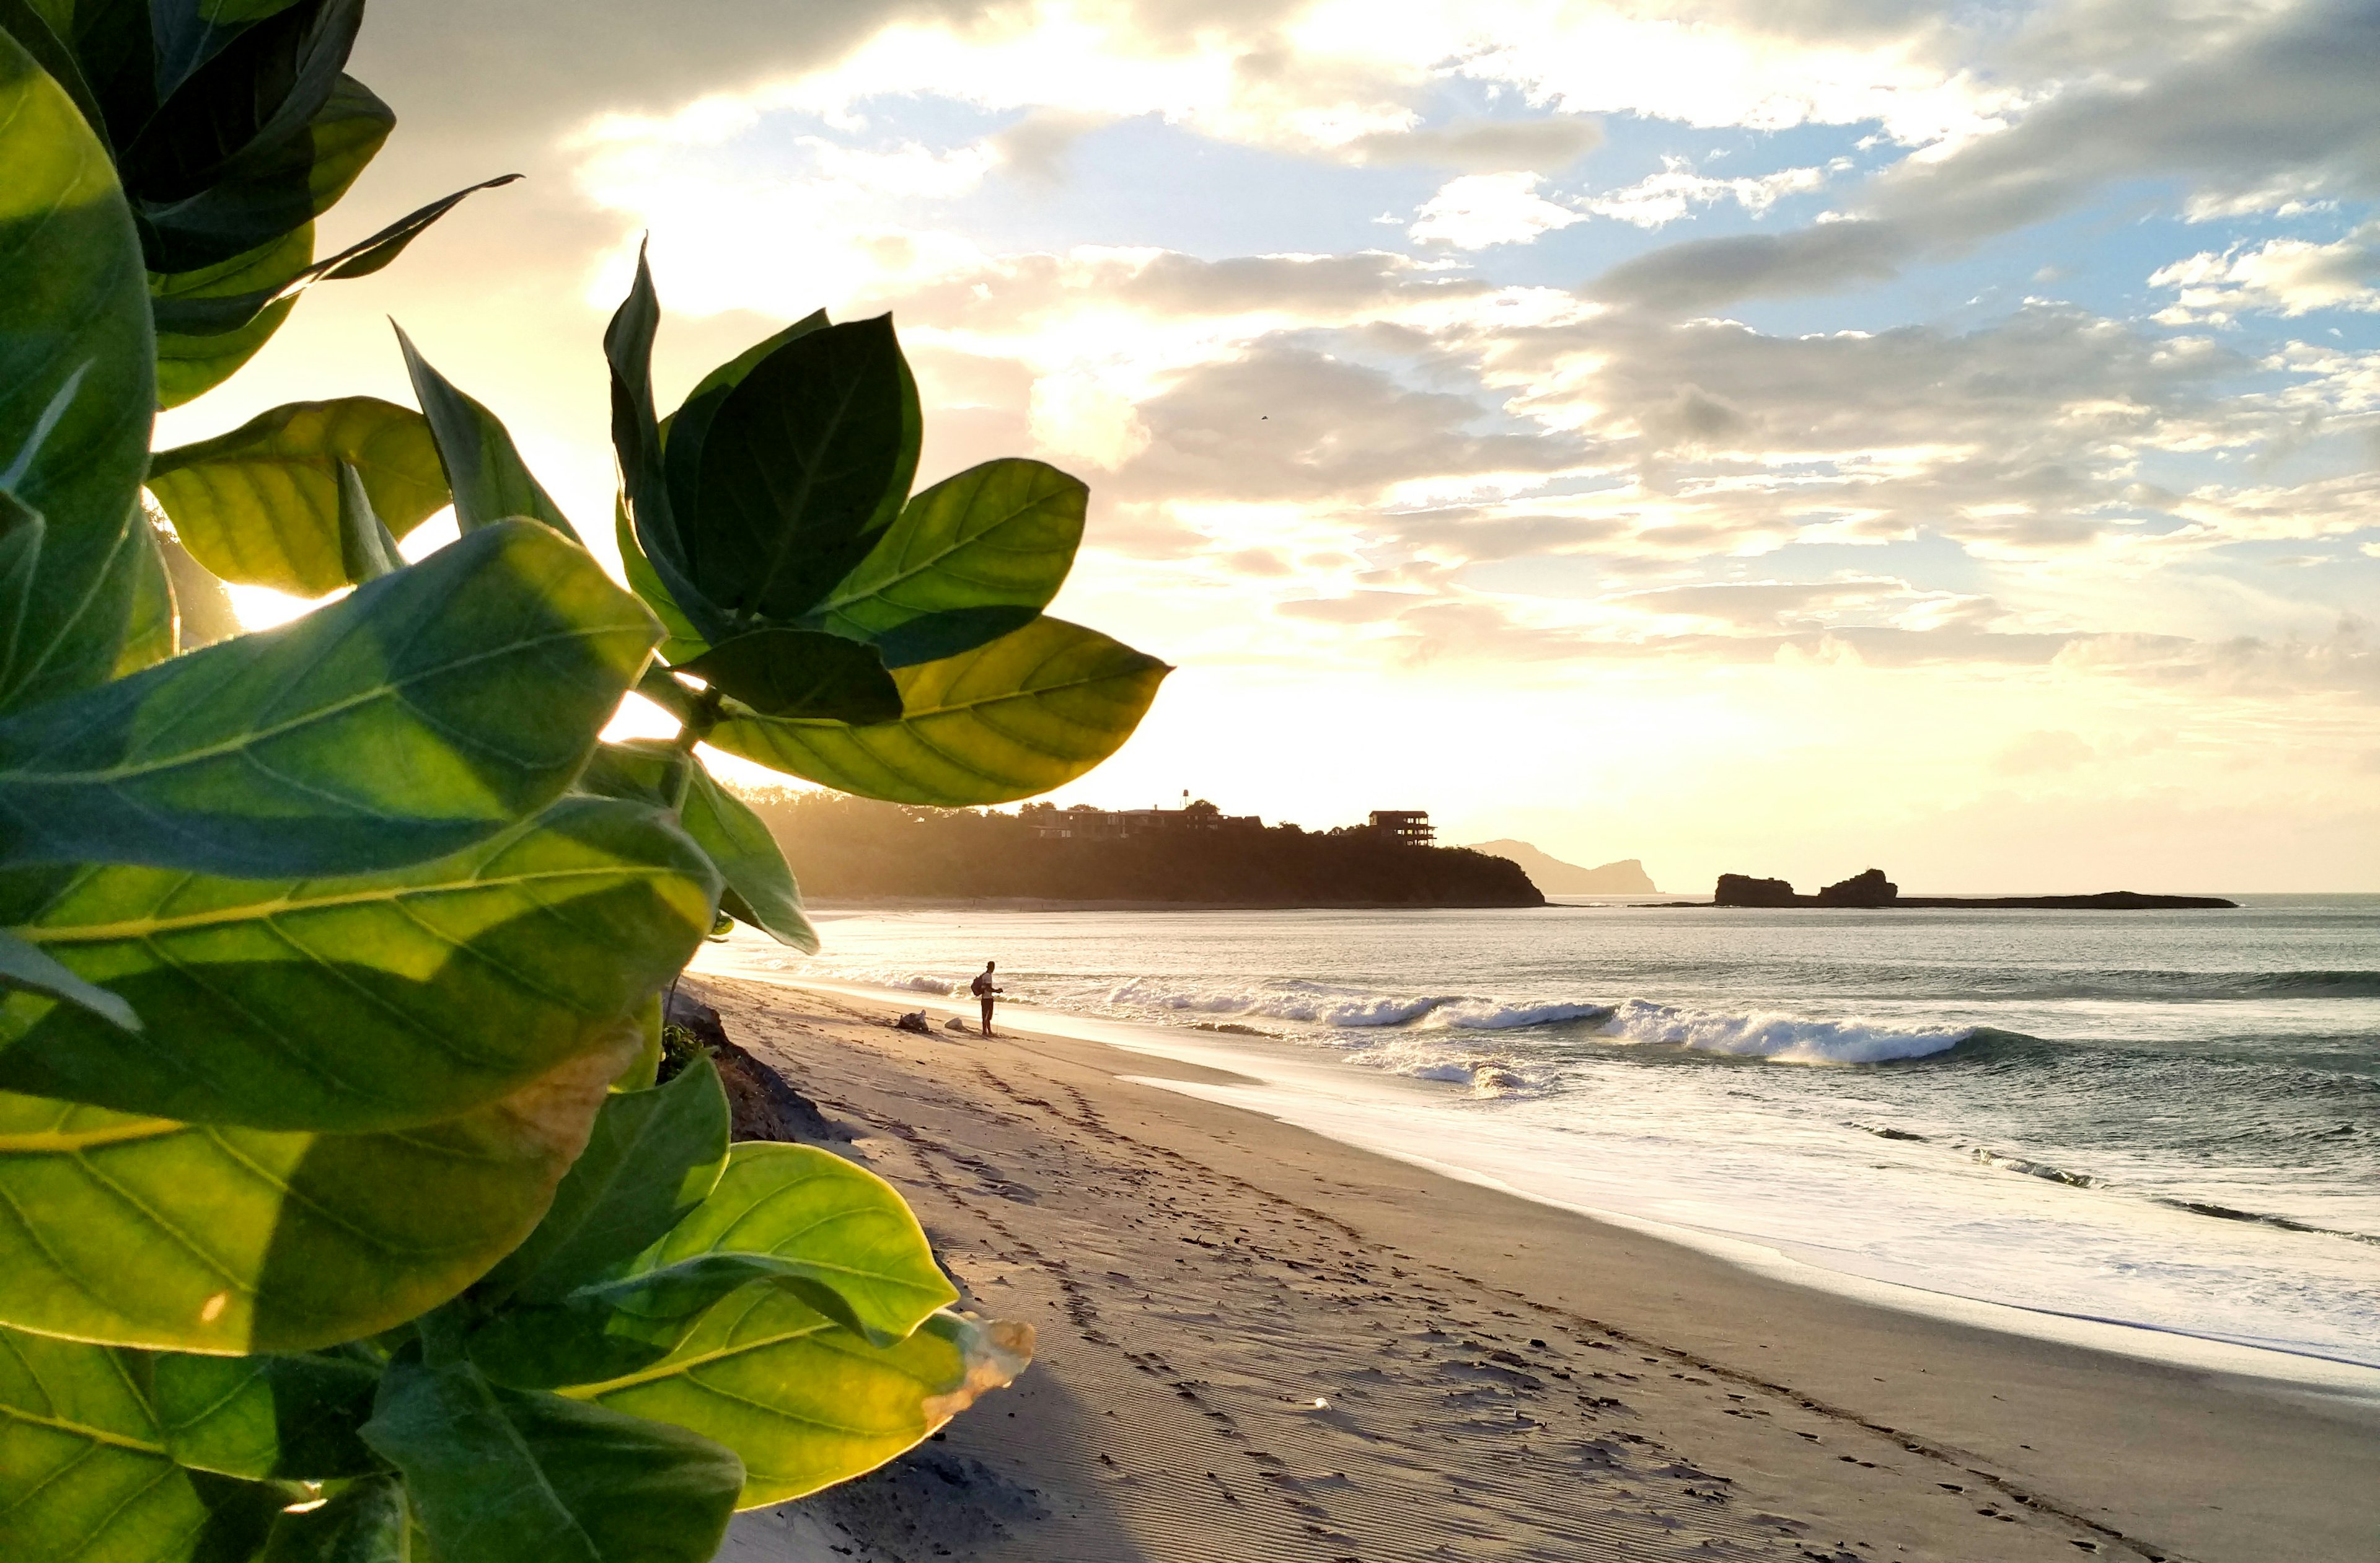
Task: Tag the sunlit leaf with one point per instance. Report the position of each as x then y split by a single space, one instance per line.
805 1403
1026 713
84 1476
842 1227
370 1003
498 1475
1002 535
78 383
261 504
148 1232
425 712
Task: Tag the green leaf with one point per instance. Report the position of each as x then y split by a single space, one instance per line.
293 1417
148 637
78 381
484 472
1002 535
30 969
804 462
761 889
683 642
51 51
653 771
147 1232
805 1403
202 610
637 441
261 504
219 310
191 364
367 548
685 429
228 160
609 1329
364 1522
367 1003
844 1229
932 637
653 1158
427 710
84 1476
497 1475
793 673
347 133
1026 713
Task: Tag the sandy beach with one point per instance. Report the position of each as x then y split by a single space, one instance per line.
1257 1343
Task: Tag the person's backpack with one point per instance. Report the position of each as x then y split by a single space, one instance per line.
981 985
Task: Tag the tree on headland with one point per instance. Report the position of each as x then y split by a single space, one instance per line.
347 1219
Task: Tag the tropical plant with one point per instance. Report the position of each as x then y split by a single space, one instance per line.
343 1216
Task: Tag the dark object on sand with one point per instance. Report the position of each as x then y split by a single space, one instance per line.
914 1021
1873 891
764 1107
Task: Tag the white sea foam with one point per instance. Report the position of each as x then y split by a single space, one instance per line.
1784 1038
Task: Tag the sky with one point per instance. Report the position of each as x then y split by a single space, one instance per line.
1774 436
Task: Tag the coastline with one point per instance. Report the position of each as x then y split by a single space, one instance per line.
1501 1377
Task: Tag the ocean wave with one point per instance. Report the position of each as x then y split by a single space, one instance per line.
1480 1016
2225 1213
1781 1038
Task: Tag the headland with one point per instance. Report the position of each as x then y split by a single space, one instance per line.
850 850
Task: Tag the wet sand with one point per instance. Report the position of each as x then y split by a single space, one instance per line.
1256 1344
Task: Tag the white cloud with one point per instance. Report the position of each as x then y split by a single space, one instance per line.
1665 196
2285 276
1480 209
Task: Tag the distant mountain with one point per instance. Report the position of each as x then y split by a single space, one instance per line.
1554 877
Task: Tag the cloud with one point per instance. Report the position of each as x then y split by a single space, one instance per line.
1481 146
1482 210
1705 273
2285 277
1035 148
1663 198
2259 116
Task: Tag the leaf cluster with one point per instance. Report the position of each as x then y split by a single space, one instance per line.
346 1217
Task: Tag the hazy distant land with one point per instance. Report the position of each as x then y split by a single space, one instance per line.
1554 877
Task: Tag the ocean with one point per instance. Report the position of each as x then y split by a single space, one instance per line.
2163 1125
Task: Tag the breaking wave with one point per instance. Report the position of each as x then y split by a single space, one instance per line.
1781 1038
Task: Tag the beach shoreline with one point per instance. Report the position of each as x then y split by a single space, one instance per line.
1499 1378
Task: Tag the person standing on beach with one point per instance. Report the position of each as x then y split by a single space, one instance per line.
983 988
